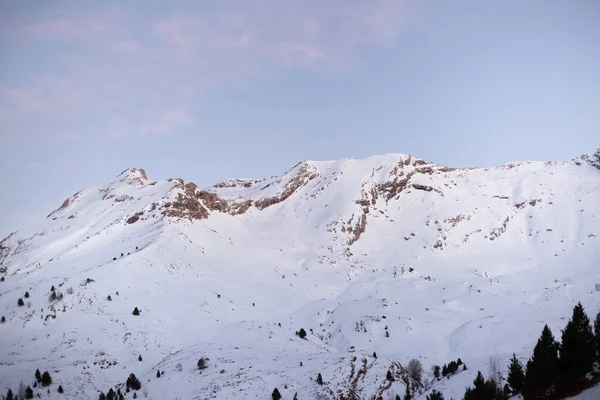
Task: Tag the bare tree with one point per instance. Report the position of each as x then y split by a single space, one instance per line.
415 370
495 371
21 391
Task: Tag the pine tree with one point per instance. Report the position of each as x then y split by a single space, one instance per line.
111 395
397 397
276 395
407 393
302 333
158 374
46 379
133 382
26 295
516 375
374 355
389 376
136 311
444 370
29 393
597 335
319 379
482 390
102 396
436 371
542 367
435 395
38 376
9 395
140 357
20 302
577 350
60 389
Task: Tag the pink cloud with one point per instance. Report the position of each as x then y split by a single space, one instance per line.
136 75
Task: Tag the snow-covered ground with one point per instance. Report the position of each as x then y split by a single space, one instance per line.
388 254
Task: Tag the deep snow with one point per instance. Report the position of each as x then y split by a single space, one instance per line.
495 253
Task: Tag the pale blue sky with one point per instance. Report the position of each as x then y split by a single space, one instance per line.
209 90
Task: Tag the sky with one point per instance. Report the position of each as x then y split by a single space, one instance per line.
209 90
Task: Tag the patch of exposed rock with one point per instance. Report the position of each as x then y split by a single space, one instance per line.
65 204
304 175
593 159
192 203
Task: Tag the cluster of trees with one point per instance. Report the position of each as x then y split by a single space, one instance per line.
449 369
553 367
111 395
26 392
553 363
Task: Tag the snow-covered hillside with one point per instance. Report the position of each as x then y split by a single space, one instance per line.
388 254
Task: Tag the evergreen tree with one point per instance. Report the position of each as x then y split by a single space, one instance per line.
111 395
20 302
389 376
140 357
444 370
29 393
397 397
46 379
577 350
102 396
597 335
435 395
26 295
9 395
374 355
516 374
158 374
319 379
436 371
38 376
276 395
136 311
60 389
302 333
133 382
407 393
483 390
542 367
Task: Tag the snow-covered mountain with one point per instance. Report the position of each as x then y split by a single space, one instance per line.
388 254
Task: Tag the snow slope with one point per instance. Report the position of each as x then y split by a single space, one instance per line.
449 262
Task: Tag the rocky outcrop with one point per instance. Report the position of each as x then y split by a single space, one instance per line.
302 177
592 159
192 203
65 204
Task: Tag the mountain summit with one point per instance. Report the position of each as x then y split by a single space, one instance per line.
389 254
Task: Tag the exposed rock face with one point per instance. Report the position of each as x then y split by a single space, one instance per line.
193 203
240 208
65 204
232 183
304 175
593 159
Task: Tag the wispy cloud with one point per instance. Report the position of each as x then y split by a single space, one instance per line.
124 73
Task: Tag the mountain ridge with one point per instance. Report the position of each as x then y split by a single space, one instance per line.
365 254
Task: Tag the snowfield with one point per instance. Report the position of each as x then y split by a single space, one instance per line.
389 254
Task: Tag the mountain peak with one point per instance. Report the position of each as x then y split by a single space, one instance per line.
134 176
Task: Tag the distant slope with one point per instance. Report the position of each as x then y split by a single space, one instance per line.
389 254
